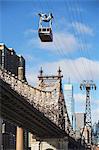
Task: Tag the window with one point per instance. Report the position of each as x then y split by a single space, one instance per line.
49 149
48 29
44 29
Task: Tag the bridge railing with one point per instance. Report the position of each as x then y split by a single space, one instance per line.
44 101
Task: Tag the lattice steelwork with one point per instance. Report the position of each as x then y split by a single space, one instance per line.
47 98
88 85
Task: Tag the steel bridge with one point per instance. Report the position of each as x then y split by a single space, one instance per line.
41 111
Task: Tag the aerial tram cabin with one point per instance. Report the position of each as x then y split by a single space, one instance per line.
45 33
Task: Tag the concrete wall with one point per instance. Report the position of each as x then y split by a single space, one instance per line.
51 144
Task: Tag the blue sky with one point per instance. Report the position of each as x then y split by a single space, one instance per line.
75 47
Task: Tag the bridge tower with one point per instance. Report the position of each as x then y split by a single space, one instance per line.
50 83
87 130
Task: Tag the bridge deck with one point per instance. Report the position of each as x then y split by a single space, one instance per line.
18 110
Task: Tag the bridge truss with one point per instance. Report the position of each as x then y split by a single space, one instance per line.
48 97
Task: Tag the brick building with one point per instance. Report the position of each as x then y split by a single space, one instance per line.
10 61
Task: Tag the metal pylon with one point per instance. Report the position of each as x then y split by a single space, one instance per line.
87 130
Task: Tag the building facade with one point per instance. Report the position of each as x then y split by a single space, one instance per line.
95 134
10 61
79 122
69 99
8 135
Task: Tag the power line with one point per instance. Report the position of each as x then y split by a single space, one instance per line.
84 37
64 54
72 17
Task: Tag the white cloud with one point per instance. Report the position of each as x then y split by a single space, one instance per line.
62 42
68 70
78 69
82 28
32 77
66 41
80 101
95 102
95 115
79 98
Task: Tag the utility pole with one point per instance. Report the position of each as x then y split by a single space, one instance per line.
87 130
